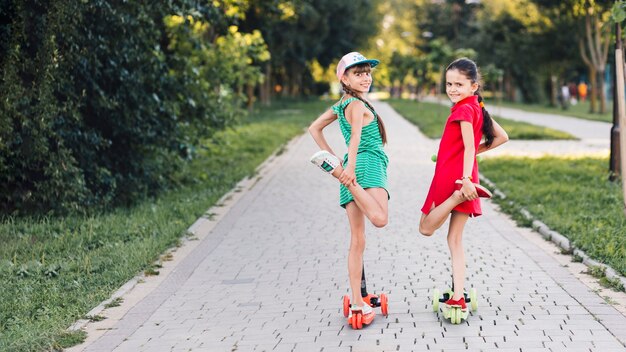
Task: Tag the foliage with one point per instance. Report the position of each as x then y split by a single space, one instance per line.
452 21
586 21
572 196
102 101
509 32
300 31
532 46
618 11
54 270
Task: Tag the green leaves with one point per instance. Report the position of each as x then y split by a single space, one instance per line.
98 96
618 11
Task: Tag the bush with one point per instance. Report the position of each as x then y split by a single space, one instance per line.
100 104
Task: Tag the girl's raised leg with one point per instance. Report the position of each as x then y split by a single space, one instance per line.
430 222
373 202
455 243
357 247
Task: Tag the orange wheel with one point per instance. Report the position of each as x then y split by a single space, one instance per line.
384 304
346 305
354 323
359 321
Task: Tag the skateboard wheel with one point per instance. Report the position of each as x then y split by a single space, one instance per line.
473 299
384 304
346 305
353 321
359 321
435 300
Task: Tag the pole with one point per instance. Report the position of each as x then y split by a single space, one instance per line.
621 106
614 158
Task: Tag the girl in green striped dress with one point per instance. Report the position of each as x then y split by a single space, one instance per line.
363 172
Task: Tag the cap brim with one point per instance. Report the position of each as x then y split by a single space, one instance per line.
372 62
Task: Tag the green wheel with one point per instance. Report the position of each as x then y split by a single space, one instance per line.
458 314
473 299
436 295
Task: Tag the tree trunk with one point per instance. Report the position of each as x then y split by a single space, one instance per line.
250 95
284 84
509 87
396 91
266 87
553 90
593 86
619 89
601 92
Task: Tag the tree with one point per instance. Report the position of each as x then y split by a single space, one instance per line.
594 49
101 101
453 21
590 18
300 31
510 37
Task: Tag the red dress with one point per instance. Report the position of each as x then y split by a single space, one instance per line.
449 167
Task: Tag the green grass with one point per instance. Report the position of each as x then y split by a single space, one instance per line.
580 110
571 196
431 117
54 270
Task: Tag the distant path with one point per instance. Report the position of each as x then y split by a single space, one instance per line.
595 136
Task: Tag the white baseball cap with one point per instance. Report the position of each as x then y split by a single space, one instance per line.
351 59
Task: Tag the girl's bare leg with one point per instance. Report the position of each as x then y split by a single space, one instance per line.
357 247
430 222
373 202
455 243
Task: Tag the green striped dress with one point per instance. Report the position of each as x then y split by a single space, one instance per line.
371 161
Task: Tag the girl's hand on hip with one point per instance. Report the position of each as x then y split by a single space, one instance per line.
347 177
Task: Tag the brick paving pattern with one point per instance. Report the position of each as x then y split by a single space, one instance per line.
271 274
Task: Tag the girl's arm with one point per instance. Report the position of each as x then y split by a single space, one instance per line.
469 155
500 138
318 125
354 114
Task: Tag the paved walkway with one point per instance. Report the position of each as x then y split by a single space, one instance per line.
270 274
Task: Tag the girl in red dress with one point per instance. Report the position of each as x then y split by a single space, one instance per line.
454 188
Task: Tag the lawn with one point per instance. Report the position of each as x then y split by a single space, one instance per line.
431 117
580 110
571 196
54 270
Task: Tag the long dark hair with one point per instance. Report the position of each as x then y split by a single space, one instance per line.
470 70
360 69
